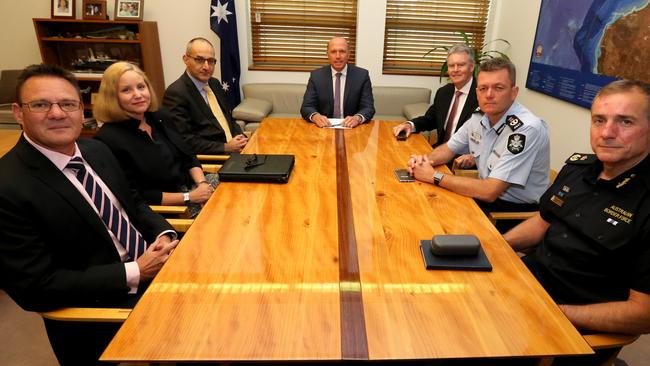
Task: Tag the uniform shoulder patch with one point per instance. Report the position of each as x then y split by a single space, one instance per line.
581 159
513 122
516 143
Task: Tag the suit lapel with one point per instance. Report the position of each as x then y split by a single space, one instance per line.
45 171
196 96
469 107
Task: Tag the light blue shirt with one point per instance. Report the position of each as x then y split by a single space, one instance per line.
515 150
199 85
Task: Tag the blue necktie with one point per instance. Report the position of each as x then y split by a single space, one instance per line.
128 236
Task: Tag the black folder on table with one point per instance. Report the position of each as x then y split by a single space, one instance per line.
263 168
478 262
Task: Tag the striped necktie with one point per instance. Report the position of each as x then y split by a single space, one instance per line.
119 225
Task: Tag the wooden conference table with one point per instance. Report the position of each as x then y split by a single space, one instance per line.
328 267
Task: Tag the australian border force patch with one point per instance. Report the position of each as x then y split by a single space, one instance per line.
513 122
516 143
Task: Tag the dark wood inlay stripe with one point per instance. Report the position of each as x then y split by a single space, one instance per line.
354 341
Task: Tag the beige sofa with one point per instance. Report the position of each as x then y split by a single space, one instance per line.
8 79
279 100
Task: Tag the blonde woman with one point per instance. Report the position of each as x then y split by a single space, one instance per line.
151 151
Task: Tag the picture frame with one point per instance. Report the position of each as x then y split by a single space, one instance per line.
129 9
94 9
63 9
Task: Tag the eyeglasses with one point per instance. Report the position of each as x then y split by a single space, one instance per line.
200 60
43 106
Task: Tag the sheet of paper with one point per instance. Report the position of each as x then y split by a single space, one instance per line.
337 123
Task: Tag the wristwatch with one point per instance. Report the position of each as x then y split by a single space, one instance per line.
437 177
186 198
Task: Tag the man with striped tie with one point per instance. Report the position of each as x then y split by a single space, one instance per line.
72 232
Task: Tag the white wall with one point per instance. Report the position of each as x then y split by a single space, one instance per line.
514 20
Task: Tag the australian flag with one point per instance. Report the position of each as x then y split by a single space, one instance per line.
223 22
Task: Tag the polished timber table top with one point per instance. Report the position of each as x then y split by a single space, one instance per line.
328 267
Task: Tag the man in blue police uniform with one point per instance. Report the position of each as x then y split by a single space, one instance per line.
593 229
509 144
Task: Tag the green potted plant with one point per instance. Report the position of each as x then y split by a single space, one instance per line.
480 53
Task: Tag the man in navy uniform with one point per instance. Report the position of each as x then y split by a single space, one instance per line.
592 234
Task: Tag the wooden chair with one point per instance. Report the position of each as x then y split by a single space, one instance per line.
609 341
105 315
521 216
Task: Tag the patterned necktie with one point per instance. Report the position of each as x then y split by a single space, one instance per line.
337 96
450 120
128 236
216 110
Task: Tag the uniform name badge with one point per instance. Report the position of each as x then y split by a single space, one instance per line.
475 137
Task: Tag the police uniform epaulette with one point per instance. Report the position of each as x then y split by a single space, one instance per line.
513 122
581 159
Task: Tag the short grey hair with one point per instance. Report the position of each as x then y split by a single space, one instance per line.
499 63
627 86
461 48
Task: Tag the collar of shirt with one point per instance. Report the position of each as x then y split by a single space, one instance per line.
485 121
343 72
58 159
199 86
467 87
639 171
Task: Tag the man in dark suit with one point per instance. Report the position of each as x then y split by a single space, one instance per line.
199 107
439 117
338 90
56 249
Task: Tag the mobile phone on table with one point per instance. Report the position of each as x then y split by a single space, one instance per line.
403 175
401 136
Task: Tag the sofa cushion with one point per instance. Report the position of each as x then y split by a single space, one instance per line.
252 109
285 98
389 100
411 111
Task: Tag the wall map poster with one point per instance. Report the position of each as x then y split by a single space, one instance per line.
582 45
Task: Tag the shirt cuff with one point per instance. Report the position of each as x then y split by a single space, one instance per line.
412 126
173 235
132 276
311 115
363 119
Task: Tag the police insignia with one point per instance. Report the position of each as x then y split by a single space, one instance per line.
581 159
516 143
514 122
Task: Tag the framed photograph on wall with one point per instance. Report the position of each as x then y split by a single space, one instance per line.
129 9
63 9
94 9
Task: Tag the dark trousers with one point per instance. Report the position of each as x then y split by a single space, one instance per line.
79 343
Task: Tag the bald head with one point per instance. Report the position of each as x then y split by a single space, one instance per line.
337 53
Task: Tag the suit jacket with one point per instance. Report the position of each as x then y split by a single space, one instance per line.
55 251
435 117
194 118
152 167
357 99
